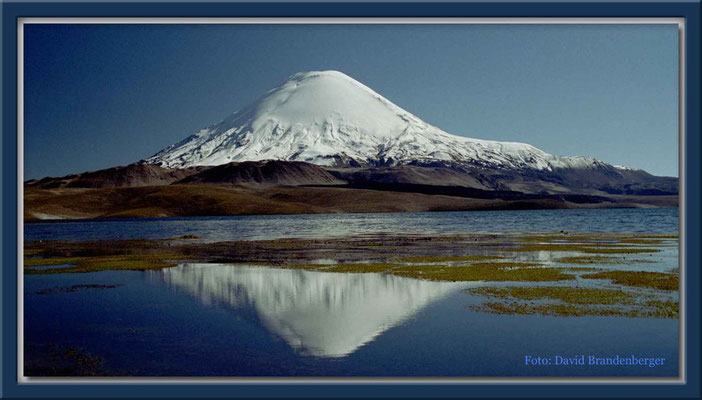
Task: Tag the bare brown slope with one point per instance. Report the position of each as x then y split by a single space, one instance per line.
411 174
127 176
201 200
211 200
291 173
600 181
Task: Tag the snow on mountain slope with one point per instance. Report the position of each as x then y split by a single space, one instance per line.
328 118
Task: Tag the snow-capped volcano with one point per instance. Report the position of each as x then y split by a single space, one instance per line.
328 118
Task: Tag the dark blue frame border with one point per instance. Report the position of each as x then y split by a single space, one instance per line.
690 10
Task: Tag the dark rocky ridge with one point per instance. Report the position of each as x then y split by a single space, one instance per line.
283 187
435 178
220 200
132 175
264 173
601 180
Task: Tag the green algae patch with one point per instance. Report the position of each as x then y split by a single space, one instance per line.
356 267
652 309
492 272
437 259
594 237
662 309
653 280
344 267
657 236
572 302
310 267
582 269
643 241
598 248
601 260
40 261
556 310
460 258
32 252
572 295
622 250
137 262
482 271
580 260
567 301
362 267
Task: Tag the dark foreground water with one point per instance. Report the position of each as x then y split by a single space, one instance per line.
224 320
660 220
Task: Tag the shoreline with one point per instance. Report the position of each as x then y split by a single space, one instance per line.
565 275
616 274
174 218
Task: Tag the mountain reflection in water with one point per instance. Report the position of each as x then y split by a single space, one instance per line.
318 313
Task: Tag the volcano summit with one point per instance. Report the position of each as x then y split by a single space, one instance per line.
328 118
321 136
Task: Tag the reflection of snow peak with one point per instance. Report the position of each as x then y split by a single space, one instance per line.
321 314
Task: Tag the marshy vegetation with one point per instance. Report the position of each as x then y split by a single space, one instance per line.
603 271
662 310
498 271
137 262
647 279
574 301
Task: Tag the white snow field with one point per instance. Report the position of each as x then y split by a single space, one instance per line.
328 118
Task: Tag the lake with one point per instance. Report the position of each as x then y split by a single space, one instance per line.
244 320
263 227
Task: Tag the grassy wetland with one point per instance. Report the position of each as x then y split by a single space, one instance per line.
552 273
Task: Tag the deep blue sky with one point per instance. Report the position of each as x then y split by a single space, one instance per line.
104 95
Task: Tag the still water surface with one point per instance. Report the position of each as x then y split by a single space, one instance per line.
262 227
225 320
